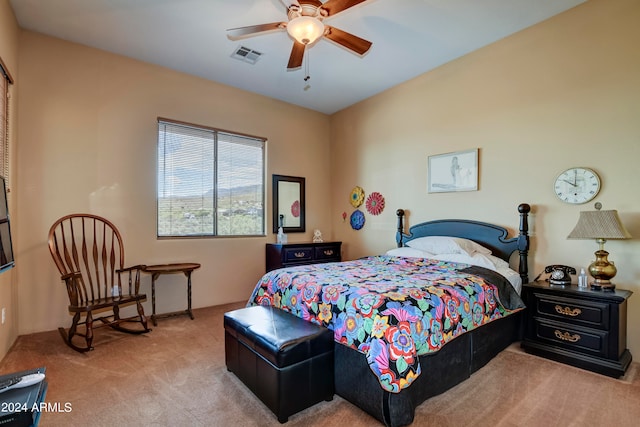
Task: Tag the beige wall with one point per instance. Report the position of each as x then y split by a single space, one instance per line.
88 138
560 94
8 282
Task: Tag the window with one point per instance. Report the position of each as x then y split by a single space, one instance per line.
210 182
5 80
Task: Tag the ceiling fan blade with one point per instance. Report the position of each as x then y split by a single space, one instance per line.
334 7
351 42
254 30
297 55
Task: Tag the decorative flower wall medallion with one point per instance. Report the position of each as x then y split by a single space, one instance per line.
375 203
295 209
357 219
357 196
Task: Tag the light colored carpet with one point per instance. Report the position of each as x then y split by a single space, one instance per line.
176 376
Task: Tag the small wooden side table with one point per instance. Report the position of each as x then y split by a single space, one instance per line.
156 271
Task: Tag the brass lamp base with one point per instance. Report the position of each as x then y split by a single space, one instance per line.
602 270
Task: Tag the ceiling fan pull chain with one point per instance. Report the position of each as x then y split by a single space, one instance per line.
307 76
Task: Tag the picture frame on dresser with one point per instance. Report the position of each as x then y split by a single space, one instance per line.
288 203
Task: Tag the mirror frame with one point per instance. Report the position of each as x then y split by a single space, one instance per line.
277 179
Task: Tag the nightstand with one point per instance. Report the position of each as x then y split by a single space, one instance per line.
291 254
577 326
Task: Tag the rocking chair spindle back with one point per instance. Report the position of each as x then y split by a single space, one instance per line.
89 253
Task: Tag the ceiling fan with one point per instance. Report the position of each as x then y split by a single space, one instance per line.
306 27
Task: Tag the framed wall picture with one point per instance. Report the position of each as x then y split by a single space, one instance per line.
456 171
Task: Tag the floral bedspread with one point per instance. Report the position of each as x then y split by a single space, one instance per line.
392 309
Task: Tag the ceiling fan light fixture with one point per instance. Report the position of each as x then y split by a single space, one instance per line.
305 29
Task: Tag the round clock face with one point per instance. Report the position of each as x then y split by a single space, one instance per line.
577 185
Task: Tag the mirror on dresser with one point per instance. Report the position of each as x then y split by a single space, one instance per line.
288 204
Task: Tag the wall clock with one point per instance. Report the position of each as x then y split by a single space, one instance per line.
577 185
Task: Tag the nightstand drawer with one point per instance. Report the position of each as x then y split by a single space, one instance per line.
589 341
578 312
297 254
328 252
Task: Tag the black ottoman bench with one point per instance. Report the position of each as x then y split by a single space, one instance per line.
285 361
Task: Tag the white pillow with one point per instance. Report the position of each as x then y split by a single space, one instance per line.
409 252
447 245
487 261
498 262
481 260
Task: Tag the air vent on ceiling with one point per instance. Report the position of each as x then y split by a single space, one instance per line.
247 55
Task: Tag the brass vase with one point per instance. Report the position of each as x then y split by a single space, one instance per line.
602 270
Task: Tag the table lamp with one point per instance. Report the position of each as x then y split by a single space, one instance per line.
601 226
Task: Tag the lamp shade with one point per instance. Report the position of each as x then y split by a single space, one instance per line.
599 225
305 29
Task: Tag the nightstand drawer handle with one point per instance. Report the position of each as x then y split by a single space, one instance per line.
328 252
299 254
568 311
566 336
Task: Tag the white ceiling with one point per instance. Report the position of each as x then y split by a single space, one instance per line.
410 37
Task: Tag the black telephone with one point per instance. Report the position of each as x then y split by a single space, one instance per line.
559 274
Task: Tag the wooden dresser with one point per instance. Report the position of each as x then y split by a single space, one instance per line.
580 327
291 254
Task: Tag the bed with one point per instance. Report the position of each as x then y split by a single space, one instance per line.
411 325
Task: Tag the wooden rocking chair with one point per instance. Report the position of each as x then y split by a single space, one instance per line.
89 254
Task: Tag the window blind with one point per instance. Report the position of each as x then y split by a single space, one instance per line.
5 80
210 182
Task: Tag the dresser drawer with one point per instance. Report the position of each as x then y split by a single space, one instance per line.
575 311
299 254
583 340
327 252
